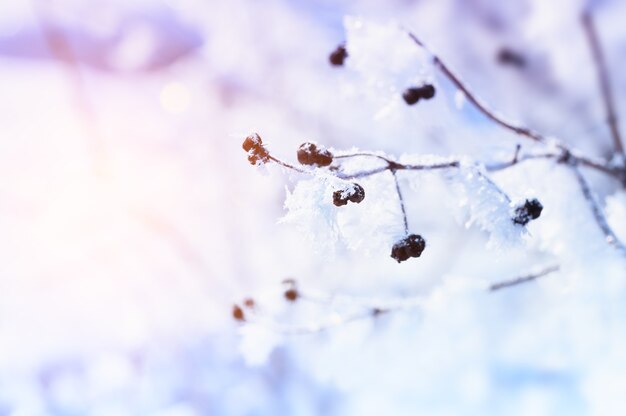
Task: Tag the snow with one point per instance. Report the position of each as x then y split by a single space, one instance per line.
132 220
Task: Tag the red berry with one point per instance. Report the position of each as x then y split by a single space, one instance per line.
339 55
291 295
238 313
310 154
256 151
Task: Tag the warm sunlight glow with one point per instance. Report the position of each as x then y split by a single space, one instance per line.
175 97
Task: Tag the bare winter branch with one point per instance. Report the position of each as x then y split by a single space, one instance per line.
575 155
401 200
606 229
604 80
523 279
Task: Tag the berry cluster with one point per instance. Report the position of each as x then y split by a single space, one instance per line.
256 151
414 94
355 193
339 55
410 246
310 154
531 210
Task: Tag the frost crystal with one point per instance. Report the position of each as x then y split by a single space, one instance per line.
385 56
486 205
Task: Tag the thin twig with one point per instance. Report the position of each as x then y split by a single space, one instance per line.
575 155
370 308
494 167
523 279
606 229
483 108
399 166
287 165
365 154
317 328
393 167
604 80
518 147
401 200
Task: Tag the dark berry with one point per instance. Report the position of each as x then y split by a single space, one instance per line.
310 154
238 313
507 56
256 151
248 303
339 55
410 246
428 91
291 295
411 96
531 210
355 193
414 94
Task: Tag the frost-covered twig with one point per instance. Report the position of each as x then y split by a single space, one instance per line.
604 80
483 108
401 200
311 154
523 279
618 173
606 229
362 309
493 167
367 308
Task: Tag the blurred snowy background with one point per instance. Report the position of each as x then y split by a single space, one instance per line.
131 220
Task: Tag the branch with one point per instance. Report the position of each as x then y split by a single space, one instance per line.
490 114
523 279
401 200
604 81
371 308
606 229
575 155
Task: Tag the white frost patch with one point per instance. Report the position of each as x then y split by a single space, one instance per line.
311 210
486 205
385 56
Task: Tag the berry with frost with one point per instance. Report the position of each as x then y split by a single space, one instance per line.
355 193
531 210
256 151
310 154
410 246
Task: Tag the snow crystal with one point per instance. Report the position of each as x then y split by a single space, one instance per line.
385 56
486 205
